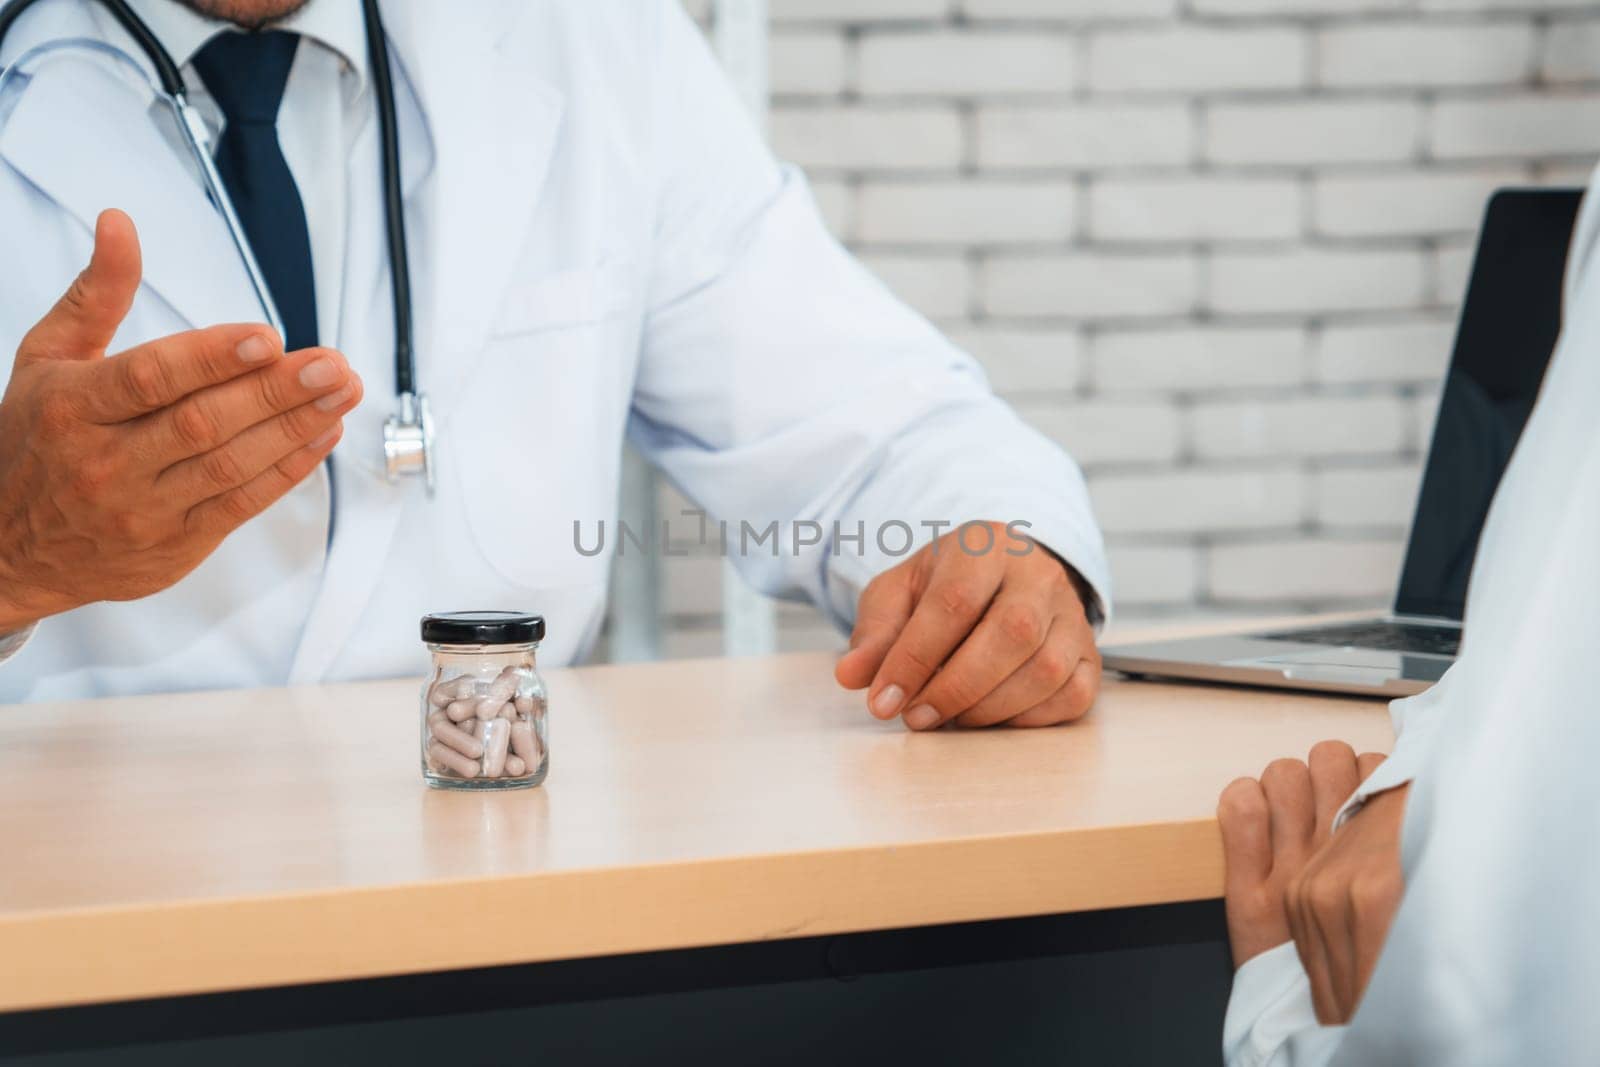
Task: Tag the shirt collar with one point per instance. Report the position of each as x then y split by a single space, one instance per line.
335 24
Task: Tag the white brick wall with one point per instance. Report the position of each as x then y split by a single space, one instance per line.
1212 246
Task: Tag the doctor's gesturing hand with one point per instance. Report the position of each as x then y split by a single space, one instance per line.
975 638
119 475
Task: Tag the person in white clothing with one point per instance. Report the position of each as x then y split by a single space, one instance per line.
601 247
1443 911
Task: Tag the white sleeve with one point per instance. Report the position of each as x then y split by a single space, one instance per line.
1416 726
1271 1021
779 381
11 644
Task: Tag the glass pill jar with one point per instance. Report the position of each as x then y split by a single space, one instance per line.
483 706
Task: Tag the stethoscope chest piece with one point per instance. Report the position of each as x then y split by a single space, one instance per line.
408 440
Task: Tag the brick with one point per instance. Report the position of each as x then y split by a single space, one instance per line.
967 63
1424 413
678 511
1427 203
1315 280
967 211
1526 6
1285 8
1069 10
1391 54
857 10
1570 51
691 585
1575 174
1197 358
1450 268
836 201
1300 426
1024 361
1193 209
1365 496
697 639
1312 131
806 64
1199 500
1089 286
1197 59
922 137
1085 136
1153 574
937 286
1109 431
1299 571
818 636
1388 352
1525 125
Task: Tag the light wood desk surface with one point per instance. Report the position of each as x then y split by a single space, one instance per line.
157 846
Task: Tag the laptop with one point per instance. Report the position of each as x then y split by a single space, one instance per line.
1506 333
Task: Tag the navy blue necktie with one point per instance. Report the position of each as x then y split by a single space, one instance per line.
246 74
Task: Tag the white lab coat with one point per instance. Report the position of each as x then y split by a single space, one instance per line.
1494 955
600 243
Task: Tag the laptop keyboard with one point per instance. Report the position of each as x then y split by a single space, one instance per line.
1388 636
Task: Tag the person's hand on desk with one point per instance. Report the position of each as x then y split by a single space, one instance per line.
119 475
1288 877
975 638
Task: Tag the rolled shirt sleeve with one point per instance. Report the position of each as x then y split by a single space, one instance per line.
11 644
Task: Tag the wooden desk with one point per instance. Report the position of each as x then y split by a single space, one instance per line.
169 845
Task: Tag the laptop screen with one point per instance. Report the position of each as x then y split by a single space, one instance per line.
1508 328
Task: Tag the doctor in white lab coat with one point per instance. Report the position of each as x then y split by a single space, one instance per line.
600 245
1451 918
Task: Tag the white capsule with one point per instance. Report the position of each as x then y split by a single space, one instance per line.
442 729
496 740
526 743
461 710
454 761
502 689
443 692
528 692
515 767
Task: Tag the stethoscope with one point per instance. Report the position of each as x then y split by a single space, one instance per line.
408 436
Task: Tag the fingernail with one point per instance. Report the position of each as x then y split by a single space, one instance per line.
886 703
255 349
921 717
325 438
335 400
319 374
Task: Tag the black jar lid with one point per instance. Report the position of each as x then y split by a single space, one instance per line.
482 628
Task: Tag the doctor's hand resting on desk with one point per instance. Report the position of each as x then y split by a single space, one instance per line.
119 475
975 639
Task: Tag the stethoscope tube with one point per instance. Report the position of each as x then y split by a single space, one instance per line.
394 211
408 434
166 70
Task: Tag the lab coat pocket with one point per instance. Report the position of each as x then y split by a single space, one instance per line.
537 431
572 297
